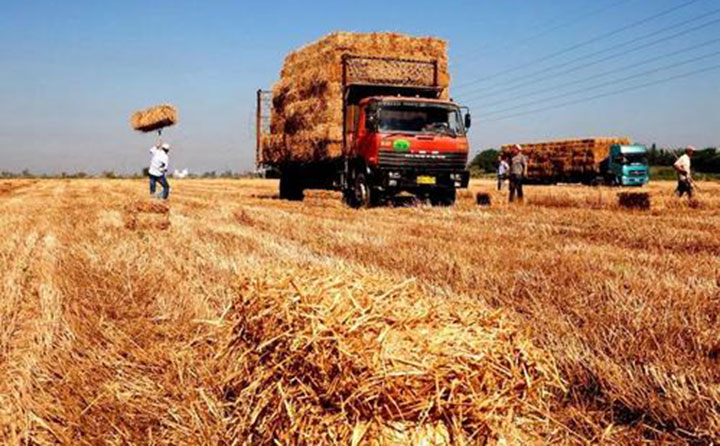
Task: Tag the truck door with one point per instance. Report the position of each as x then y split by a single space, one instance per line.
364 145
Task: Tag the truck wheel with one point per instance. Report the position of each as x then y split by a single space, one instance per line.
443 198
291 187
360 194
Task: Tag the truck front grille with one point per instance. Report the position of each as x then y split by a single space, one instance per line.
447 161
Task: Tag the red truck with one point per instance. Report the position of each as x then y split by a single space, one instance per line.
396 137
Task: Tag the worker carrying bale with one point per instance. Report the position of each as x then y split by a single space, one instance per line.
150 120
682 168
158 169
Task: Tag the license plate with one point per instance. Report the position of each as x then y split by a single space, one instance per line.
425 180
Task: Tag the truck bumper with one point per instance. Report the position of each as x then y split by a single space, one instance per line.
634 180
420 179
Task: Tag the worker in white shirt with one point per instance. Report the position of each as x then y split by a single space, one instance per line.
682 168
158 168
502 171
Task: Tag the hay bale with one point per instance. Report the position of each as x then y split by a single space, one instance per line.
311 362
483 199
634 200
154 118
146 207
307 118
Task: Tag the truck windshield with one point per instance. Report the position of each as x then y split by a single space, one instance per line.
632 158
420 118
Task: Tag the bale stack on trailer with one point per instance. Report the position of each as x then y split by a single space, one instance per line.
307 118
572 160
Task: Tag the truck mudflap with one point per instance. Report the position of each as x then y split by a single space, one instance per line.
412 179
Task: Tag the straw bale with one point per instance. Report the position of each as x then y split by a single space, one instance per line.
308 96
154 118
483 199
146 206
634 200
320 361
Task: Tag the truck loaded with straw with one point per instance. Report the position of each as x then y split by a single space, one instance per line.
367 114
614 161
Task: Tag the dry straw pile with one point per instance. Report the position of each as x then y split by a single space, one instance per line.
307 118
154 118
343 360
574 158
483 199
634 200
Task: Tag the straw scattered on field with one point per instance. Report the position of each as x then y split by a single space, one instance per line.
254 320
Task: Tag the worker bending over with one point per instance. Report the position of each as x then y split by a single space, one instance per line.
158 168
682 168
518 172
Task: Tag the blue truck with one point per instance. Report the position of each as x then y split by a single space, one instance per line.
626 165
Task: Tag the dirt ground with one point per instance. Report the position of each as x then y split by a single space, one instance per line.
115 309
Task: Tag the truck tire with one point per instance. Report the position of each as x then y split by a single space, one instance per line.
360 194
291 187
443 197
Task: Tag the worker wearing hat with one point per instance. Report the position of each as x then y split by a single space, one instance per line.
158 169
682 168
518 171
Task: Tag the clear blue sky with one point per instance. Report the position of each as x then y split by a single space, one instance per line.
72 72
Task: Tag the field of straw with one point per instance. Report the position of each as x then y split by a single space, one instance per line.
228 317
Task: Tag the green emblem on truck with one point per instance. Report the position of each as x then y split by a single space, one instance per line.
401 145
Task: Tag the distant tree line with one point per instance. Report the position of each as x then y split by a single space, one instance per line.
705 161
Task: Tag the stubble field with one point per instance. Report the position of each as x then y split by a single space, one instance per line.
229 317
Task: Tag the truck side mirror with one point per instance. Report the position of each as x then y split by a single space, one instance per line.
468 120
371 123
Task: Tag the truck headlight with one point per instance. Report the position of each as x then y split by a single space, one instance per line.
455 177
394 175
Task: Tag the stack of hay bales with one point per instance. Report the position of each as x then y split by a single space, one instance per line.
307 116
154 118
572 159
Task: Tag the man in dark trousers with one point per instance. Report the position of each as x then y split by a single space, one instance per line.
158 169
518 171
684 174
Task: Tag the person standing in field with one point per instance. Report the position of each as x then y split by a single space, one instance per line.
502 171
518 172
158 169
682 168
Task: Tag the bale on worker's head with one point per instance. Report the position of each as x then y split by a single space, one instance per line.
154 118
483 199
634 200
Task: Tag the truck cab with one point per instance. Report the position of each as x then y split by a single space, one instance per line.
627 165
409 144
